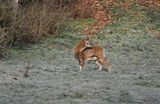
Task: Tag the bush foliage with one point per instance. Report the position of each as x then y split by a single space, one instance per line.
29 20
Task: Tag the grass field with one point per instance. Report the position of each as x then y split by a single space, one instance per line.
54 77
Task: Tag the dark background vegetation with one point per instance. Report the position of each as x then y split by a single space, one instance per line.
30 20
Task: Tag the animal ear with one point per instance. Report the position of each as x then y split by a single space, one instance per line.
87 38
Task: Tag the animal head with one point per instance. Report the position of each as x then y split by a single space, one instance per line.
85 43
82 45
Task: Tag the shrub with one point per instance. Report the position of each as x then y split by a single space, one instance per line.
39 19
31 20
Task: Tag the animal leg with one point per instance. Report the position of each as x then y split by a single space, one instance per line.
99 65
105 62
109 68
108 65
81 65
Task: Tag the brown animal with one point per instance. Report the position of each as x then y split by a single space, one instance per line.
84 51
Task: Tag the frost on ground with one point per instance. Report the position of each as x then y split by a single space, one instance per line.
54 77
48 73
